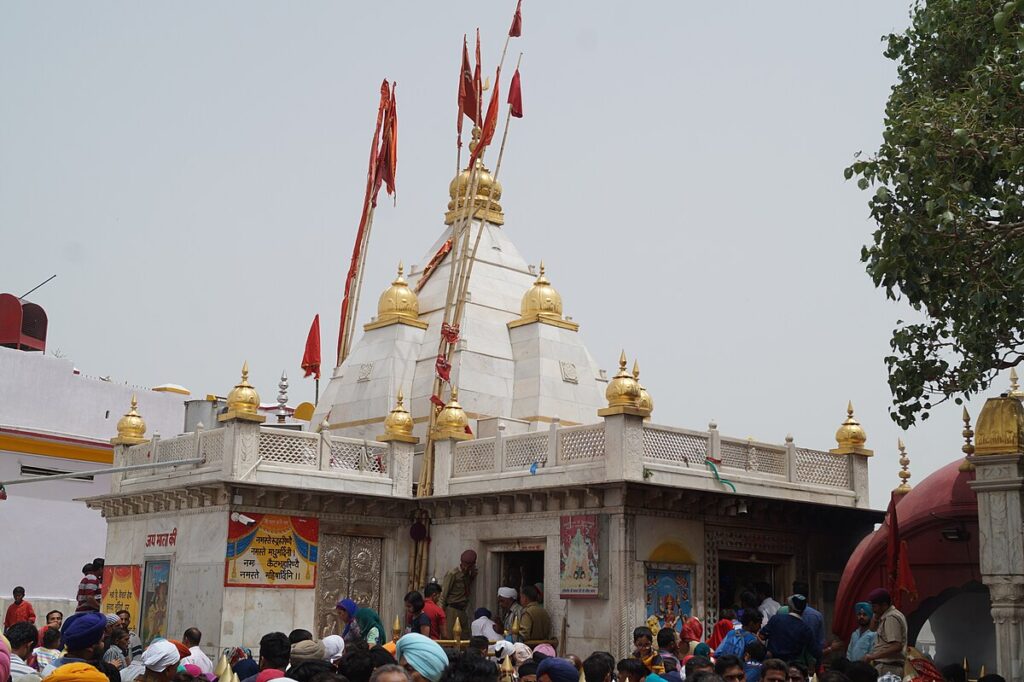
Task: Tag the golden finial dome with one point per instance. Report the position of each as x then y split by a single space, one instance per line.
486 201
453 420
542 303
850 437
968 447
1015 391
903 488
646 403
398 300
399 421
243 398
541 300
623 390
131 428
850 433
1000 427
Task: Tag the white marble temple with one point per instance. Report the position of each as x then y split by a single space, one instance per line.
532 372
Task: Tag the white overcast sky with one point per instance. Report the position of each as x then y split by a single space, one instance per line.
193 172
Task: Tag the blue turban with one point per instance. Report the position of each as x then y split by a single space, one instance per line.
482 612
424 655
558 669
83 630
862 607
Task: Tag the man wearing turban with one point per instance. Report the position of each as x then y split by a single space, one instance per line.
863 638
509 608
422 657
161 661
82 634
456 590
553 669
77 672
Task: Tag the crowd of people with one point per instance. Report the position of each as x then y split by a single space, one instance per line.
760 640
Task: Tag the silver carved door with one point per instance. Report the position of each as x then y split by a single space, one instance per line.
349 568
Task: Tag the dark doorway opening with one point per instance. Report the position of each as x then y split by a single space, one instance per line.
738 576
518 569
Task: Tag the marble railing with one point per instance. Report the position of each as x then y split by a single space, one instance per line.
553 447
659 454
245 451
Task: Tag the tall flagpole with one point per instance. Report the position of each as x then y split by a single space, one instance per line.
461 301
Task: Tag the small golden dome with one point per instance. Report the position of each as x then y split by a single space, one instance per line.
1000 427
399 421
623 390
398 300
645 403
486 201
541 300
850 433
243 398
131 427
453 420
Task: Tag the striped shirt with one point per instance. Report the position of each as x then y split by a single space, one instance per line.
88 589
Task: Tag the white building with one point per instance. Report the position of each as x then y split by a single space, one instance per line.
55 420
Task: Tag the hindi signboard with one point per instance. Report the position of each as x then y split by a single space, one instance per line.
267 550
122 590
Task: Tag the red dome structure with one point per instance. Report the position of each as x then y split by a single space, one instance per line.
939 521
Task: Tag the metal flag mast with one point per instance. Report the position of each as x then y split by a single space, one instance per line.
382 153
463 258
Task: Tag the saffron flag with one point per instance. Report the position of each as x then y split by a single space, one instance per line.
311 356
467 90
516 29
901 581
490 121
515 96
371 185
387 157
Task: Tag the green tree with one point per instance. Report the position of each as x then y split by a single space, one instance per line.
947 194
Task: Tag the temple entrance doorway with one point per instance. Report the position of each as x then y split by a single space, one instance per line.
518 569
737 574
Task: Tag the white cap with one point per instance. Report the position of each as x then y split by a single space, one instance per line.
507 592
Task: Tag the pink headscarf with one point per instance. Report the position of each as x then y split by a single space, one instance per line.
5 659
545 649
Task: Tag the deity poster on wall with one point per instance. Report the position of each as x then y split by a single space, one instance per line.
578 575
155 589
668 597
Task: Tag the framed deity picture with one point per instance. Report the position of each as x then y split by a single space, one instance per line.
668 595
156 585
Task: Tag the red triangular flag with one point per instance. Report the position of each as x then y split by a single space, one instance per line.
905 583
490 121
516 29
515 96
311 356
387 157
467 91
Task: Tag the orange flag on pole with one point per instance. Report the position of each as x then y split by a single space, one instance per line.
516 29
467 90
515 96
490 121
311 356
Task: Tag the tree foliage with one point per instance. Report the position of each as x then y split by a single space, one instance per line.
947 194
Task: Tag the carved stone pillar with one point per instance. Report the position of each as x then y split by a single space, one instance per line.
999 483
